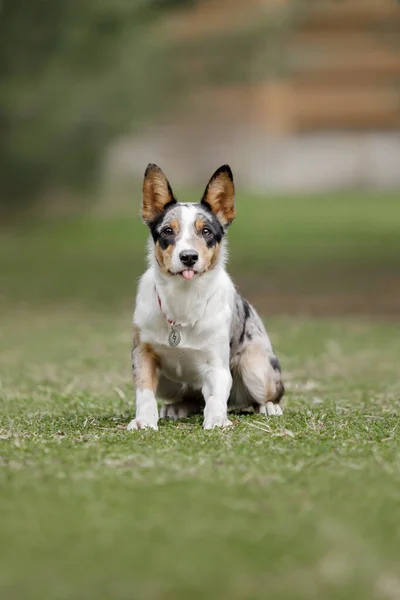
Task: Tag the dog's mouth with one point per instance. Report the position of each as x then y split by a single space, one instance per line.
187 274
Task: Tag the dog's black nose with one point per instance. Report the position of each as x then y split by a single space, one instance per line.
189 257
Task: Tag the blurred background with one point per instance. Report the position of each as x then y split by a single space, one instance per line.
300 97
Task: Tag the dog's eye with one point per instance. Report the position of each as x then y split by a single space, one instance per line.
206 232
168 231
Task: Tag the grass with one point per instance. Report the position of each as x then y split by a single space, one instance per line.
289 251
302 507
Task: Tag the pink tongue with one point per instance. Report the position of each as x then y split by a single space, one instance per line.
188 274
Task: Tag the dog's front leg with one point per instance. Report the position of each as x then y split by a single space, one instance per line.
145 374
216 389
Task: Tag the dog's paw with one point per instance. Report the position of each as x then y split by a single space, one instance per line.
138 424
174 411
216 421
271 409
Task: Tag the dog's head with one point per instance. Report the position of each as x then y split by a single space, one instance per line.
187 237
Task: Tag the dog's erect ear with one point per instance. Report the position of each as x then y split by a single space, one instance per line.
220 195
157 193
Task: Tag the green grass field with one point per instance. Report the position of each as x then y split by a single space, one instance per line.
305 507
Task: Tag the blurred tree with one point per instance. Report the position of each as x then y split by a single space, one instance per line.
73 74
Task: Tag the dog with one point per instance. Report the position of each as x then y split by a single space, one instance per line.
197 344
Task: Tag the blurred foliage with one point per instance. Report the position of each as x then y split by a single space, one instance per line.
75 74
71 78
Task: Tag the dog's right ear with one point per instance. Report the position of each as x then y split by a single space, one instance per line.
157 193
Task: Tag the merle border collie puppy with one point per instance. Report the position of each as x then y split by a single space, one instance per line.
198 346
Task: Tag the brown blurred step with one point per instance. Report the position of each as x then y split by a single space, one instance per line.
297 106
290 106
345 66
351 14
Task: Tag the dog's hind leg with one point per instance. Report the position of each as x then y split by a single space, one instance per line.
178 402
189 406
257 377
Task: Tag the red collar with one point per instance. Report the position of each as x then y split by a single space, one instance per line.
173 323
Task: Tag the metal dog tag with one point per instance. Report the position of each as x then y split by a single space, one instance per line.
174 337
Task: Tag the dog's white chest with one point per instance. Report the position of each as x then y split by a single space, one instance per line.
202 316
183 365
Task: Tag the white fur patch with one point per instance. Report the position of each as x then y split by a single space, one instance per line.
146 411
273 410
211 422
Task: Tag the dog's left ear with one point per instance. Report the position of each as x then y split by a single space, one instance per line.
157 193
219 195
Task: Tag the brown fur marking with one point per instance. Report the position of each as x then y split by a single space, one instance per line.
164 258
210 255
199 224
252 356
174 224
145 367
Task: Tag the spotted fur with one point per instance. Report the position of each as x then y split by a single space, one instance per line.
225 358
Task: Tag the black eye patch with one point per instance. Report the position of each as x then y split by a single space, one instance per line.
157 231
211 231
166 237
